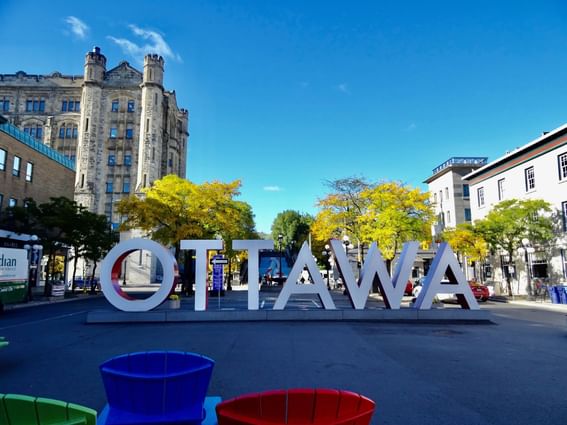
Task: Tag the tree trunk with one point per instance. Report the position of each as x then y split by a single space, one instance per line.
93 283
75 261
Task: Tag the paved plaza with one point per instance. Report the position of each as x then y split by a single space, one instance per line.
507 372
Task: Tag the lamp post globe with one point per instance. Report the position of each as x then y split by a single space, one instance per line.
327 256
280 240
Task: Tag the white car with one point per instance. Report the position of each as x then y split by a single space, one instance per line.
419 284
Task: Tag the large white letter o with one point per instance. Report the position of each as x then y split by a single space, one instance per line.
112 265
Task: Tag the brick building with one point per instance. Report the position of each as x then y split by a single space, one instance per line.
29 169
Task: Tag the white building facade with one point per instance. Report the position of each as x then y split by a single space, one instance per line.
537 170
450 195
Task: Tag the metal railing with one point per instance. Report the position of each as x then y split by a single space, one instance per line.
36 145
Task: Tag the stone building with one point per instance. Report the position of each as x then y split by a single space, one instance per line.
120 126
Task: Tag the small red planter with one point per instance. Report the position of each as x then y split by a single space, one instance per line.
297 407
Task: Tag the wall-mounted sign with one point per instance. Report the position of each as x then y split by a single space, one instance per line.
391 287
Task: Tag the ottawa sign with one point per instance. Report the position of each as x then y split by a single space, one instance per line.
391 287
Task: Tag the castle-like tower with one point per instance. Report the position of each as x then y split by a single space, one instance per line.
150 145
120 126
90 144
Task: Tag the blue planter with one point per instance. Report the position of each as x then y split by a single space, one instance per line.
156 387
554 294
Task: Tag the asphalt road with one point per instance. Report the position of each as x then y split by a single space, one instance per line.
511 372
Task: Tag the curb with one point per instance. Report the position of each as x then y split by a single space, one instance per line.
49 301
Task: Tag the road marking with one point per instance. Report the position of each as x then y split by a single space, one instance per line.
262 304
316 305
33 322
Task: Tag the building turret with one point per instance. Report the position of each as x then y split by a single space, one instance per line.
91 137
95 66
153 70
151 123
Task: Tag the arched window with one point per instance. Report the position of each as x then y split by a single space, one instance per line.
34 129
68 131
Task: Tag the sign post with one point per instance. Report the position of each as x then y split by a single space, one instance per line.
218 262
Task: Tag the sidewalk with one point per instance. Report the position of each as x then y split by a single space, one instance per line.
541 304
40 299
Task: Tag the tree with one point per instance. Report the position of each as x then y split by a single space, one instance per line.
395 214
466 242
512 220
174 209
98 240
59 224
340 211
294 226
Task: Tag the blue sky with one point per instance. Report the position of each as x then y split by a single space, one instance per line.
287 94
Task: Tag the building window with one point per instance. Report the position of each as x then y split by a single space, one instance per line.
564 214
128 159
16 166
113 133
115 105
70 105
562 165
35 105
4 104
109 186
35 131
131 106
3 155
448 217
466 192
529 174
1 200
68 131
12 202
480 195
129 132
446 193
29 172
126 185
112 159
468 216
501 189
435 198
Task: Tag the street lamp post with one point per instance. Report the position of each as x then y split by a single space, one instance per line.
527 249
346 243
32 267
280 239
327 255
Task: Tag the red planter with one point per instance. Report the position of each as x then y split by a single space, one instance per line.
298 407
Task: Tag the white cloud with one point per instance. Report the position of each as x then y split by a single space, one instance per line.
343 88
155 43
78 27
272 189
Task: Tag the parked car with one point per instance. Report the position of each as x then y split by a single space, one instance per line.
480 292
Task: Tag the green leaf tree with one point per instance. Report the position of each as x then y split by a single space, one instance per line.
294 226
511 220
